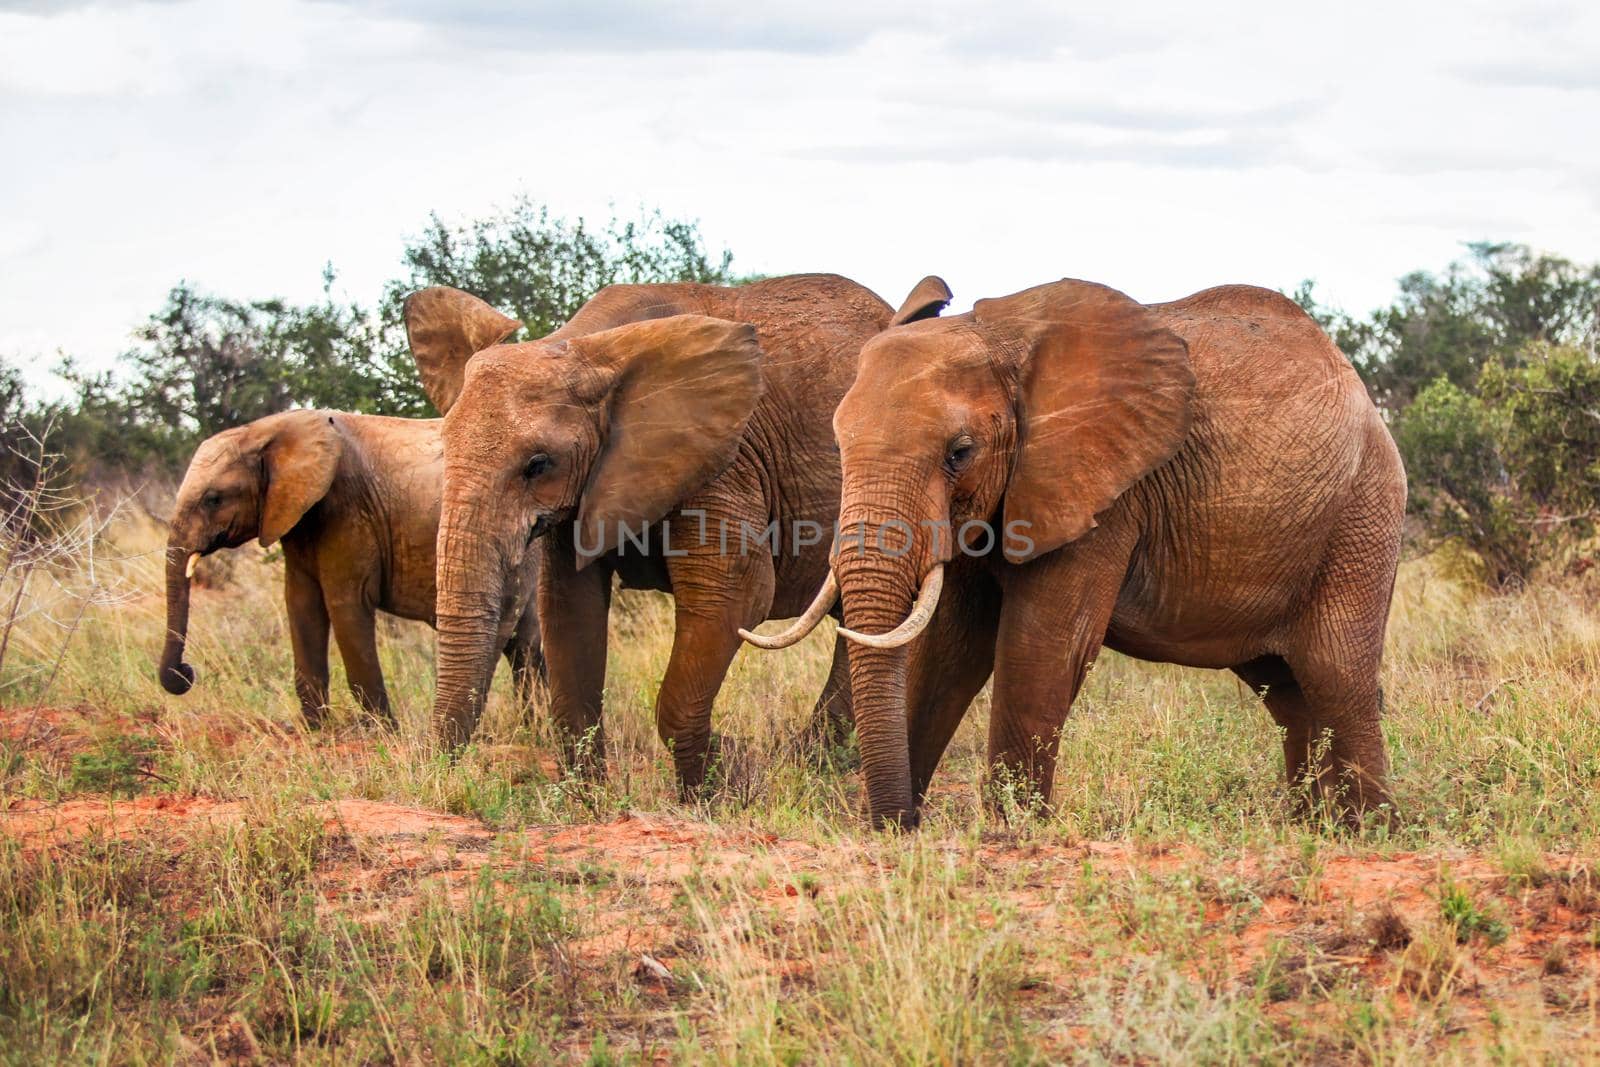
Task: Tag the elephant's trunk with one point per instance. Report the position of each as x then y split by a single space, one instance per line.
467 615
878 589
914 623
176 676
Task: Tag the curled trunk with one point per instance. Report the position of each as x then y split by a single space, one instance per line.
176 676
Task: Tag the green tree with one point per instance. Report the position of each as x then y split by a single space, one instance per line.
541 268
205 364
1459 486
1548 408
538 267
336 356
1512 471
1485 307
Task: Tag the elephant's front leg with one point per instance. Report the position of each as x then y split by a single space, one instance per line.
574 608
308 637
715 595
948 666
355 629
1053 619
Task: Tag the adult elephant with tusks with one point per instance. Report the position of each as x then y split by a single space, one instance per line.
1202 482
675 435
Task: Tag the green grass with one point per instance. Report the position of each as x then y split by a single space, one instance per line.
807 939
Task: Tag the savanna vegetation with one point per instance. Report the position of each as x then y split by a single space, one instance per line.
199 879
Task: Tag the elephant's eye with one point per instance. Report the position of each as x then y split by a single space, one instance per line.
211 499
958 456
538 463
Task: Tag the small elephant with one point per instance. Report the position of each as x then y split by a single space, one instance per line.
1203 482
657 437
355 501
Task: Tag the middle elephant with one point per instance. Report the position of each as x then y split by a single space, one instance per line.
676 435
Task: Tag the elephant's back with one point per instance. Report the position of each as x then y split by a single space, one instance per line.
403 456
811 328
1263 366
1238 330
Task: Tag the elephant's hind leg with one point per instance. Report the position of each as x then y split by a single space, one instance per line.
1333 732
1327 702
1334 653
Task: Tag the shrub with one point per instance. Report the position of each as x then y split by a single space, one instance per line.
1513 471
1549 424
1459 488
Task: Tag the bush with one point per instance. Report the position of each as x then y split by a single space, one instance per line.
542 268
1550 433
1514 471
1458 486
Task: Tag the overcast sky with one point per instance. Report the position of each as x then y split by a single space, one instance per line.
243 145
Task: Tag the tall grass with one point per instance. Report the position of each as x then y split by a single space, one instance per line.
1490 715
915 949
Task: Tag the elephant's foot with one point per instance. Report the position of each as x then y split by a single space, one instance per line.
908 820
732 769
1348 802
1012 796
584 757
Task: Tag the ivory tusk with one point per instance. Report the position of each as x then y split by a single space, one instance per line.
194 561
805 623
921 614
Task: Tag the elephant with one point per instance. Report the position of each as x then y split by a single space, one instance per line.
675 436
355 501
1203 482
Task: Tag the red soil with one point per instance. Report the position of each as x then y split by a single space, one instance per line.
1340 909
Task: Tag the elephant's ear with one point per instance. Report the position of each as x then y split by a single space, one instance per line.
299 461
681 391
925 301
1105 393
445 327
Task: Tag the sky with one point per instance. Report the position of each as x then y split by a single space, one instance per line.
1157 148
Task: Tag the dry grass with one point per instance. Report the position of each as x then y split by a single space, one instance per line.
1171 909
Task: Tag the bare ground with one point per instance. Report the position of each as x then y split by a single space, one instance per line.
1357 912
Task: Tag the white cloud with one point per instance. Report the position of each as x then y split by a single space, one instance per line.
242 145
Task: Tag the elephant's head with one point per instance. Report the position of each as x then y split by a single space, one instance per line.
610 430
1006 429
252 481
